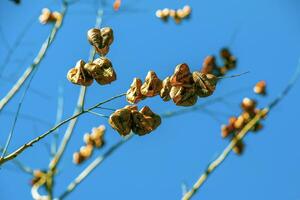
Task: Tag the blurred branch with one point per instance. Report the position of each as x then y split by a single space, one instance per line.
220 159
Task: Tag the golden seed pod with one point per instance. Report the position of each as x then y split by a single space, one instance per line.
226 130
209 64
152 85
183 96
205 84
97 136
159 14
77 158
180 13
103 51
87 139
166 88
121 121
86 151
166 12
248 105
57 16
107 35
45 16
239 147
182 76
156 119
95 38
240 122
260 88
78 75
101 70
134 94
187 10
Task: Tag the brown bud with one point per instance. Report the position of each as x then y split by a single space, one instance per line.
134 94
152 85
183 96
107 35
239 147
95 38
78 75
248 105
205 84
101 70
121 121
260 88
166 88
77 158
209 64
86 151
182 76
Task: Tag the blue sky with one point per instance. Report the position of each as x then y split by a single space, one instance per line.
263 34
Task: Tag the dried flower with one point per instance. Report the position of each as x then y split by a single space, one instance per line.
121 121
107 35
166 89
205 84
78 75
152 85
260 88
134 94
183 96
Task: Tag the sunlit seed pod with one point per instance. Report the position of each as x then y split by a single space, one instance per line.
205 84
182 76
240 122
187 10
102 51
226 130
247 116
155 119
141 124
223 70
159 13
97 136
45 16
166 88
248 105
101 70
132 107
121 121
57 16
87 138
116 5
172 13
183 96
86 151
239 148
232 120
107 35
134 94
78 75
209 64
165 12
225 54
152 85
260 88
180 13
77 158
95 38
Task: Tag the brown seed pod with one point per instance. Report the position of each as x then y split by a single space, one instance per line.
121 121
209 64
97 136
205 84
248 105
152 85
187 10
225 54
87 139
107 35
48 16
182 76
86 151
183 96
77 158
156 119
240 122
95 38
78 75
239 148
134 94
166 88
260 88
101 70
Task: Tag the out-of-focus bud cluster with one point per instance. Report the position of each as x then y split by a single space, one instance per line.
91 141
178 15
117 5
183 87
47 16
101 39
129 119
236 124
210 66
100 69
260 88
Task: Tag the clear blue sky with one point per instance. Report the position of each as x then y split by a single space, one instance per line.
263 34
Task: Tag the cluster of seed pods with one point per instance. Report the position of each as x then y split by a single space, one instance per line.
260 88
101 69
47 16
91 141
183 87
129 119
210 66
37 176
235 124
178 15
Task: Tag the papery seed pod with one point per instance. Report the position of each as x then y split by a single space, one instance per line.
152 85
45 16
166 12
225 54
141 123
180 13
166 88
155 119
97 136
248 105
239 148
226 130
86 151
209 64
107 35
95 38
182 76
260 88
134 94
77 158
240 122
183 96
87 138
205 84
187 10
121 121
103 51
78 75
57 16
132 107
101 70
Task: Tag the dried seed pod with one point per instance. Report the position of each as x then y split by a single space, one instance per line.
103 51
152 85
209 64
77 158
226 130
97 136
46 16
205 84
166 88
180 13
166 12
240 122
182 76
95 38
78 75
155 119
107 35
248 105
134 94
260 88
225 54
239 147
187 10
86 151
183 96
87 138
101 70
57 17
132 107
121 121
